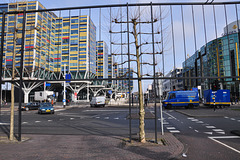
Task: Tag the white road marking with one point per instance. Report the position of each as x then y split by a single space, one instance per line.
97 117
190 127
71 118
210 127
170 118
226 117
24 122
105 110
194 120
116 118
208 132
199 122
221 132
190 118
4 123
214 139
171 128
165 123
218 130
57 110
174 131
196 130
233 119
238 120
170 115
106 117
61 119
37 121
49 120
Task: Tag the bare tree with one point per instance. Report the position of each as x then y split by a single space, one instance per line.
135 22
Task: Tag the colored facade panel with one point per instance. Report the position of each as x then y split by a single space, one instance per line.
102 60
51 42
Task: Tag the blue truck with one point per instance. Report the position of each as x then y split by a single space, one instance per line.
187 99
218 98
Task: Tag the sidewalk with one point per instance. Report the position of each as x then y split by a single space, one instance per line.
91 147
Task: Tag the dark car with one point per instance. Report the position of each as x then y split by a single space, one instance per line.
46 108
30 106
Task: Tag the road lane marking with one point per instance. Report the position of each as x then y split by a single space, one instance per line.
171 128
49 120
238 120
174 131
210 127
116 118
170 115
24 122
105 111
226 117
57 110
194 120
97 117
233 119
106 117
214 139
190 118
196 130
4 123
37 121
190 127
199 122
208 132
71 118
221 132
218 130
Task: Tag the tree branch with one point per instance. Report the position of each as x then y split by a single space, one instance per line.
119 54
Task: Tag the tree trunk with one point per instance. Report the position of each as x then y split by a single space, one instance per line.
141 105
11 133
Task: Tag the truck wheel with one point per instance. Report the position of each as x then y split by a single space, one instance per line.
169 106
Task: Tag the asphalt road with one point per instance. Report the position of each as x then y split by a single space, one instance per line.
203 138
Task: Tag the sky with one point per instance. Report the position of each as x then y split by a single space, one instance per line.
173 40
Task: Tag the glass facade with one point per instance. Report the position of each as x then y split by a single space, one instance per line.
218 58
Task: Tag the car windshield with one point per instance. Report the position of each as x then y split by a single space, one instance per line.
46 105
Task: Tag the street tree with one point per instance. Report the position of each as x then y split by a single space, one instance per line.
135 21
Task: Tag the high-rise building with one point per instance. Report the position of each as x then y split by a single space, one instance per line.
102 60
51 42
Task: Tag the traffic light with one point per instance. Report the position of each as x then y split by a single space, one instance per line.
215 85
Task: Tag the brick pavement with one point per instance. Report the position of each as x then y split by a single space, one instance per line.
91 147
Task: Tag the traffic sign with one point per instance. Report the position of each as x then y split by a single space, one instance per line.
68 76
110 92
64 100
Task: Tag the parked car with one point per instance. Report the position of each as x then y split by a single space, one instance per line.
30 106
98 101
46 108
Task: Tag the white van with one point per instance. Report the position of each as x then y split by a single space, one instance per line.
98 101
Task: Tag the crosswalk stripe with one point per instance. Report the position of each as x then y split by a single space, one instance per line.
217 130
174 131
171 128
210 127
